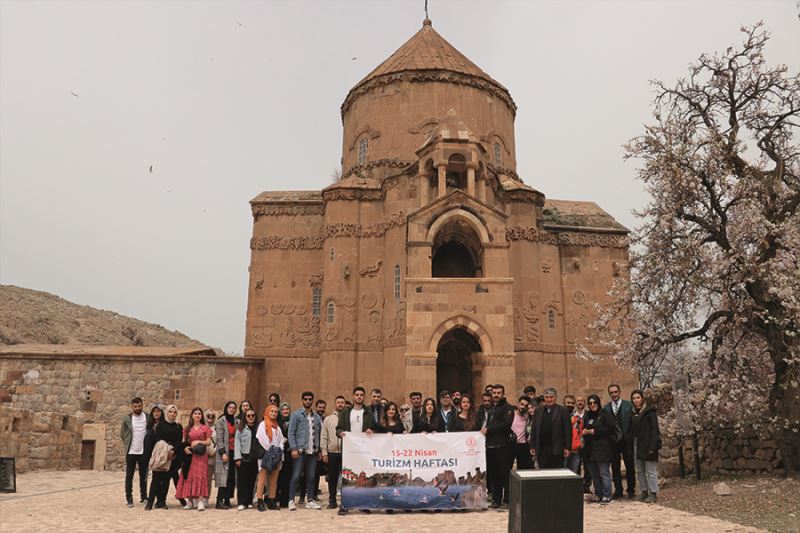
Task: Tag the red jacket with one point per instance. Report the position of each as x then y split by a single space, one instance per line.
577 428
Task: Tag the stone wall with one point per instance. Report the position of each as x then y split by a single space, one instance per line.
40 440
724 451
96 388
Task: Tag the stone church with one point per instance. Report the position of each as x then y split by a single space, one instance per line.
429 264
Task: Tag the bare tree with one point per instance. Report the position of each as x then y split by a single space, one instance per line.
715 265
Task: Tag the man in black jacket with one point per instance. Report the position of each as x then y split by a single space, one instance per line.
415 398
622 411
552 432
498 451
357 419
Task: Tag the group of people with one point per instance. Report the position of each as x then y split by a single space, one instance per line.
266 460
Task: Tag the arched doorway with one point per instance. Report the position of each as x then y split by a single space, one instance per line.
454 361
456 251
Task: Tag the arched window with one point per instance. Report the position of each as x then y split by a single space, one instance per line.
498 155
331 312
551 318
316 301
397 283
363 149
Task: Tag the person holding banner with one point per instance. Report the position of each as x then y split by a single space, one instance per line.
390 421
428 420
466 420
498 452
357 418
447 413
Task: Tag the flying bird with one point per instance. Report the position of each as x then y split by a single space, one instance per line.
73 94
151 169
239 23
353 59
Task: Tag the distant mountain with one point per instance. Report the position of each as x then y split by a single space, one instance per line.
35 317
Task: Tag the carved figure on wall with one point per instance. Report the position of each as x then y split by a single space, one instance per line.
547 266
397 326
308 331
375 329
370 271
348 324
261 310
526 320
287 336
315 280
259 280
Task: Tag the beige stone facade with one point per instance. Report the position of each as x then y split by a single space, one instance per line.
61 406
430 264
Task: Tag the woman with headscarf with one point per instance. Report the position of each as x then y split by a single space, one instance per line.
598 427
193 482
271 438
285 475
211 420
171 432
243 407
646 443
225 470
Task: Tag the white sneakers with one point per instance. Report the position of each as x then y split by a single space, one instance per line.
188 505
201 505
312 505
292 506
240 508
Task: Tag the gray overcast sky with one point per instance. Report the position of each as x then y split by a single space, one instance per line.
226 99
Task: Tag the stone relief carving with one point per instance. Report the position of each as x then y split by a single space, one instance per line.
370 271
352 194
377 229
260 210
396 327
547 266
578 297
424 126
430 76
259 280
529 233
526 320
316 280
284 331
368 301
261 310
375 329
377 163
286 243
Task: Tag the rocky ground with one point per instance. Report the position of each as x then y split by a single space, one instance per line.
88 501
34 317
766 502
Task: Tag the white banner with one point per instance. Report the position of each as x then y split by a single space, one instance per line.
414 471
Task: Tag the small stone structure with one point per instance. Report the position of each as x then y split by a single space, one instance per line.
64 404
40 439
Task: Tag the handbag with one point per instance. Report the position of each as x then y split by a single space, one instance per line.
199 449
271 458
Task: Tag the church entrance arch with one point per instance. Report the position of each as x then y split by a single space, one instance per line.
456 251
455 354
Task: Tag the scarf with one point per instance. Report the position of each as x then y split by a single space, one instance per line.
230 418
269 423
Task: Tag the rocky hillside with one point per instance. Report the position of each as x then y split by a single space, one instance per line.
35 317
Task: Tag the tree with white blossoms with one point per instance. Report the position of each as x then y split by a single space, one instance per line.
714 282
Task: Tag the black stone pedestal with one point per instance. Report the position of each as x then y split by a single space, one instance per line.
546 501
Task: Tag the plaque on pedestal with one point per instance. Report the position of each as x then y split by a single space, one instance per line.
545 501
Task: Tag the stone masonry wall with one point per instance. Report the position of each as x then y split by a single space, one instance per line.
96 390
40 440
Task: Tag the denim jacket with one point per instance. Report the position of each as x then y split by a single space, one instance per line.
298 431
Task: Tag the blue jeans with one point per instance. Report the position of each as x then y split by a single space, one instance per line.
601 477
307 463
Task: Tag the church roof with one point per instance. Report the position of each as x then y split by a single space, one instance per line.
427 50
575 214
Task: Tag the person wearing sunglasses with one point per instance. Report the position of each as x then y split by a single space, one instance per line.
598 428
247 453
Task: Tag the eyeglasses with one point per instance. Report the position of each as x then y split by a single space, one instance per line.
308 400
404 409
211 417
251 416
592 403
